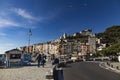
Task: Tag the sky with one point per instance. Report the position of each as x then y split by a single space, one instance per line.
49 19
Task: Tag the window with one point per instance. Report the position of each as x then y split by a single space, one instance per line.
15 56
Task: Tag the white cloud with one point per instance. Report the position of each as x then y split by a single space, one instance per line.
23 13
8 23
5 47
7 19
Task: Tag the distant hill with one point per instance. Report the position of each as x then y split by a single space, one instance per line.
111 35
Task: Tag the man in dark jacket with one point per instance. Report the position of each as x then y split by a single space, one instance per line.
43 59
39 59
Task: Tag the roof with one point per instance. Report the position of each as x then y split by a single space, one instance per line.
12 50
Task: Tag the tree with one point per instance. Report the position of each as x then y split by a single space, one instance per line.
112 50
111 35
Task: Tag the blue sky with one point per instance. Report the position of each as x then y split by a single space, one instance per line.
49 19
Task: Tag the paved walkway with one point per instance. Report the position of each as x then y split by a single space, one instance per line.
25 73
115 66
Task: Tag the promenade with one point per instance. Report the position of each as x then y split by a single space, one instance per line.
115 66
25 73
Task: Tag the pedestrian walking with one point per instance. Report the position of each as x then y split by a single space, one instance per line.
49 57
52 57
43 59
39 59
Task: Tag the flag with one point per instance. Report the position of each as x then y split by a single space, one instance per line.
30 32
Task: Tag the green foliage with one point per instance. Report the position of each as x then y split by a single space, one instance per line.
111 35
112 50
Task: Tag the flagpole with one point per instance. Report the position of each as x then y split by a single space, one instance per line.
29 40
30 34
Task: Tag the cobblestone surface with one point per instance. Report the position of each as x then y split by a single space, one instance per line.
25 73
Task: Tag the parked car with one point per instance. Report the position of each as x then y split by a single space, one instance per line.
73 58
27 59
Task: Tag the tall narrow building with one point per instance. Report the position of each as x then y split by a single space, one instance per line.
65 35
92 44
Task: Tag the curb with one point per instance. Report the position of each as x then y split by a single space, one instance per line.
108 66
113 66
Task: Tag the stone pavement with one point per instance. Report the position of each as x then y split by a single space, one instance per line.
25 73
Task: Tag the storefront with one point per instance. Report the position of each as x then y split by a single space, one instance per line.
13 58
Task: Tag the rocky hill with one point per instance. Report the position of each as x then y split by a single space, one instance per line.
111 35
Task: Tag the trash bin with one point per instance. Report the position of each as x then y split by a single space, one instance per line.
55 73
58 73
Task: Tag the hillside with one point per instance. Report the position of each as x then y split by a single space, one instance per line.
111 35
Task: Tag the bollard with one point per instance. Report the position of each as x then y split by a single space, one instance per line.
108 63
112 66
117 67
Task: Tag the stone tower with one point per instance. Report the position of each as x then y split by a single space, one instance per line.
92 44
